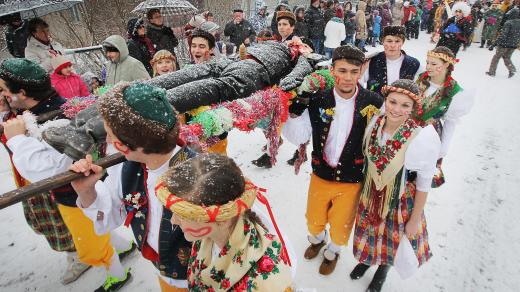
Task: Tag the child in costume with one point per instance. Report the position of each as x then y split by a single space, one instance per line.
67 83
35 160
336 120
127 195
233 250
400 159
443 101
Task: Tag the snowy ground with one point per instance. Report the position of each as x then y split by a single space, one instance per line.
472 221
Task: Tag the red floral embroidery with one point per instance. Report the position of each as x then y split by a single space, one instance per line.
225 284
266 264
242 284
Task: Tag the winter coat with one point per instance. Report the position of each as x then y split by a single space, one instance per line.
350 23
126 68
315 23
237 33
139 52
510 34
162 37
258 22
328 14
334 33
376 28
492 20
463 25
409 14
40 53
69 86
300 28
16 39
386 16
361 22
397 14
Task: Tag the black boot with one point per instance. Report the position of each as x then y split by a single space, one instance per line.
482 43
295 157
358 271
379 279
263 161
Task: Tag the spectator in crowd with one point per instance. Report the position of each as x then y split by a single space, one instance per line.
259 20
316 24
239 30
209 17
163 62
376 27
95 84
67 83
40 47
161 36
16 35
349 20
121 67
397 13
334 34
213 29
300 29
492 19
508 40
431 18
286 21
386 15
339 9
409 13
329 11
283 6
139 45
361 26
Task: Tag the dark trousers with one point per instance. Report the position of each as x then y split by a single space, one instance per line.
504 53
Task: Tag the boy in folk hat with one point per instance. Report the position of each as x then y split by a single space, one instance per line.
391 64
26 86
127 195
336 120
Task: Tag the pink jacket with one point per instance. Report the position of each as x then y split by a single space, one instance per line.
69 86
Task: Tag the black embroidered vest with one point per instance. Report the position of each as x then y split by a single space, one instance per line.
174 250
377 71
350 164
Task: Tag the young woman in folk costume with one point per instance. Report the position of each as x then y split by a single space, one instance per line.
400 158
444 102
233 250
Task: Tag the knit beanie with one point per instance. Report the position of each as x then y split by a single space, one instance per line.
25 73
348 52
209 26
59 62
132 26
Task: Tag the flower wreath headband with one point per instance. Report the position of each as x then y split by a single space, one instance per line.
443 57
387 89
206 214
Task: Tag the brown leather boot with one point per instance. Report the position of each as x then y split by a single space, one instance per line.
313 250
328 266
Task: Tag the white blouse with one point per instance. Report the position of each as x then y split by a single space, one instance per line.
461 104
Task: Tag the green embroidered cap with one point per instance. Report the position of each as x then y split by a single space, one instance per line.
23 71
151 103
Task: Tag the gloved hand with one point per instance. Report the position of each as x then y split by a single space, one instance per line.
300 103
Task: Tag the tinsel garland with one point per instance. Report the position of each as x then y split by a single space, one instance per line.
265 109
77 104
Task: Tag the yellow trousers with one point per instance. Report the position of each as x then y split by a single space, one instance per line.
334 203
165 287
219 148
92 249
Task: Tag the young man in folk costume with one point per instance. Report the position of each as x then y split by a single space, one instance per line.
27 86
400 159
444 101
127 195
392 64
336 120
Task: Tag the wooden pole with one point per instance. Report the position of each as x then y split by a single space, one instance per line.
24 193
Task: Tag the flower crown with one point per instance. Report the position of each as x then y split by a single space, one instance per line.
388 88
443 57
206 214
